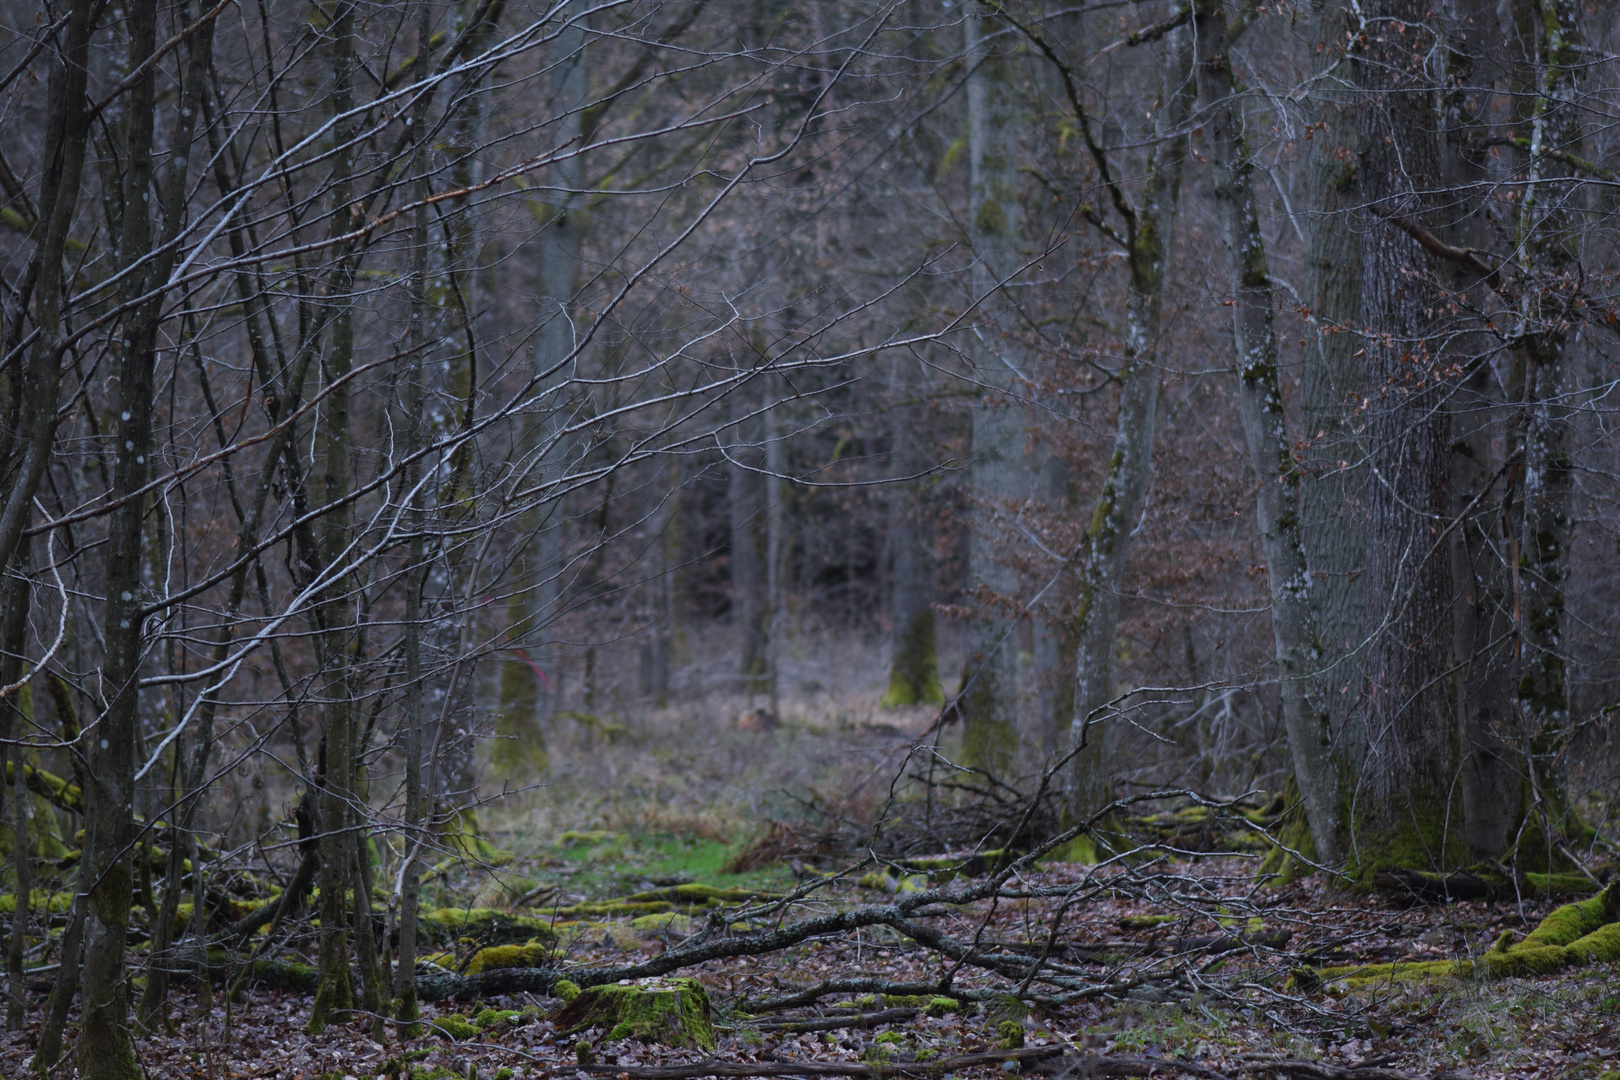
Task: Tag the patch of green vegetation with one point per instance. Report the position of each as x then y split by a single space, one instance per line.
455 1028
672 1012
533 954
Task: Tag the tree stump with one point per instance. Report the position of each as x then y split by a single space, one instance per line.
672 1012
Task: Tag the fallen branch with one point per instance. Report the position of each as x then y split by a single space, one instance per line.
836 1023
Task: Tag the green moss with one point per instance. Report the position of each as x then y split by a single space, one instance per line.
897 1037
445 925
494 1016
504 1073
566 989
1010 1035
533 954
673 1012
455 1028
569 841
667 921
1572 935
914 669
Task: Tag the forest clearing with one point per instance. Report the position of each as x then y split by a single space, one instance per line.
662 539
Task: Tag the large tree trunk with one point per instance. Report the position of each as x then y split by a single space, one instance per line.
1482 628
989 696
1407 809
531 682
1088 782
1265 434
1332 514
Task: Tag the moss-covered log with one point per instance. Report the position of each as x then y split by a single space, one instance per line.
1571 936
485 925
672 1012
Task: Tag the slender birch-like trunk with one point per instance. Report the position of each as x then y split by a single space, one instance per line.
1265 433
1124 488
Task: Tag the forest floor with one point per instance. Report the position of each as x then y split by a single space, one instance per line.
631 805
1237 1012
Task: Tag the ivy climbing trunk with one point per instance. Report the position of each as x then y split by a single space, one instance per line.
1265 432
996 116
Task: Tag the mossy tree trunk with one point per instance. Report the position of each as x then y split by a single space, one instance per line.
996 118
336 617
1407 809
1148 228
1265 432
16 594
913 657
1546 244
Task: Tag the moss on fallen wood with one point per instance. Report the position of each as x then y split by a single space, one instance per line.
671 1012
1574 935
490 925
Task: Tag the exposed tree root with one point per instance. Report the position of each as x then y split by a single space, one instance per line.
1481 883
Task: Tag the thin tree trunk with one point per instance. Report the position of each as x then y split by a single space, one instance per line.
913 657
334 994
104 1050
531 684
775 546
415 397
1125 483
1265 434
15 714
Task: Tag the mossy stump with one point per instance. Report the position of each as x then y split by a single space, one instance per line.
671 1012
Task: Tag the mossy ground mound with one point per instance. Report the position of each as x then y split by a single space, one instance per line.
671 1012
1571 936
532 954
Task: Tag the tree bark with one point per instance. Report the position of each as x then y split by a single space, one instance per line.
989 695
913 656
335 641
1407 809
531 685
1265 434
1125 482
1333 481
